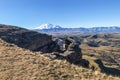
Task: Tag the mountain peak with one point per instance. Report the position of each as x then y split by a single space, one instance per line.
48 26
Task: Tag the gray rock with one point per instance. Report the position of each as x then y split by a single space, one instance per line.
73 52
27 39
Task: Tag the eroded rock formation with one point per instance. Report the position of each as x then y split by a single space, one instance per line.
72 51
26 38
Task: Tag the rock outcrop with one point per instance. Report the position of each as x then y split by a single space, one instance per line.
41 42
72 51
69 50
26 38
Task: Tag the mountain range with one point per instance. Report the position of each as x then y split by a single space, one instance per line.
50 28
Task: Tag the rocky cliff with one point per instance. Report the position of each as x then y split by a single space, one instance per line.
25 38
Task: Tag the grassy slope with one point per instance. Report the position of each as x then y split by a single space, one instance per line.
106 51
21 64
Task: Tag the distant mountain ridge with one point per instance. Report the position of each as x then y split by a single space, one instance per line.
49 28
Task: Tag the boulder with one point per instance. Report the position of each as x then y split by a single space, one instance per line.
59 42
54 55
73 52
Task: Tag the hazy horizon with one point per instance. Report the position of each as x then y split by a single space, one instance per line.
66 13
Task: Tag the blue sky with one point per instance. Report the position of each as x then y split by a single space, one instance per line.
66 13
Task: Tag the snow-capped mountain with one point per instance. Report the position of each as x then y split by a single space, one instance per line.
48 26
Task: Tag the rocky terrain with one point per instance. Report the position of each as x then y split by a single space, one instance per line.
104 46
21 64
26 38
94 40
28 55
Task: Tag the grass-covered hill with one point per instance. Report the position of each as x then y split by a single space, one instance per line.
20 64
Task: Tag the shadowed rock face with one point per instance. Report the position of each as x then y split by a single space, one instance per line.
107 70
26 38
72 51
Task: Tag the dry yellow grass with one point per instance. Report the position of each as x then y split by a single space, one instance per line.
87 49
20 64
105 53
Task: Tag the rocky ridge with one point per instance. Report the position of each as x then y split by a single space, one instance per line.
26 38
